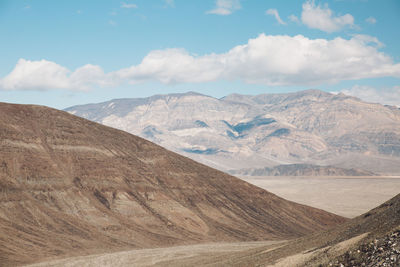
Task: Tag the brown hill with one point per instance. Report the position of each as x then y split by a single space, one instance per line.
69 186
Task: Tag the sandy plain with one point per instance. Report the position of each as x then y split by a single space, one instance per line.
345 196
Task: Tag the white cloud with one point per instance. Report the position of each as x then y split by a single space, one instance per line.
173 66
47 75
170 3
270 60
127 5
89 75
112 22
225 7
371 20
37 75
368 39
267 59
274 12
323 18
294 18
386 96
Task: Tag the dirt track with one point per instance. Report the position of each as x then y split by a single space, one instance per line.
159 256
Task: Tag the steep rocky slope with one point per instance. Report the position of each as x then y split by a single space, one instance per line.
69 186
384 251
263 131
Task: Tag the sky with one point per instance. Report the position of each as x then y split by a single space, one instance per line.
65 53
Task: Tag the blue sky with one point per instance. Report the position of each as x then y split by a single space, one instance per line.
63 53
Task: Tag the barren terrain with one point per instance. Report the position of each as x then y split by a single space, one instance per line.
72 187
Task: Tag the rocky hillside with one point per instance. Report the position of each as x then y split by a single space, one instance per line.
69 186
384 251
264 131
370 239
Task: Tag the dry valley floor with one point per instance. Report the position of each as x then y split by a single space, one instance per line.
345 196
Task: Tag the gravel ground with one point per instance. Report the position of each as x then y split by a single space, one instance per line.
379 252
185 255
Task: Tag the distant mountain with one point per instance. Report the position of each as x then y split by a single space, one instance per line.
301 170
69 186
252 132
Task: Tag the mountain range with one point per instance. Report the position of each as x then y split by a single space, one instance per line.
69 187
304 133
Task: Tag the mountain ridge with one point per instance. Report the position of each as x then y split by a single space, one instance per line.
301 170
306 127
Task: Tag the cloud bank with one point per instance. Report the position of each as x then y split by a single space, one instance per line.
268 60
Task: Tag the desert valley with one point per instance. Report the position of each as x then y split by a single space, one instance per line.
72 188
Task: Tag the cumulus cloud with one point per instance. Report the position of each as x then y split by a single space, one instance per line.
270 60
267 59
386 96
322 18
174 66
39 75
225 7
274 12
46 75
371 20
127 5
